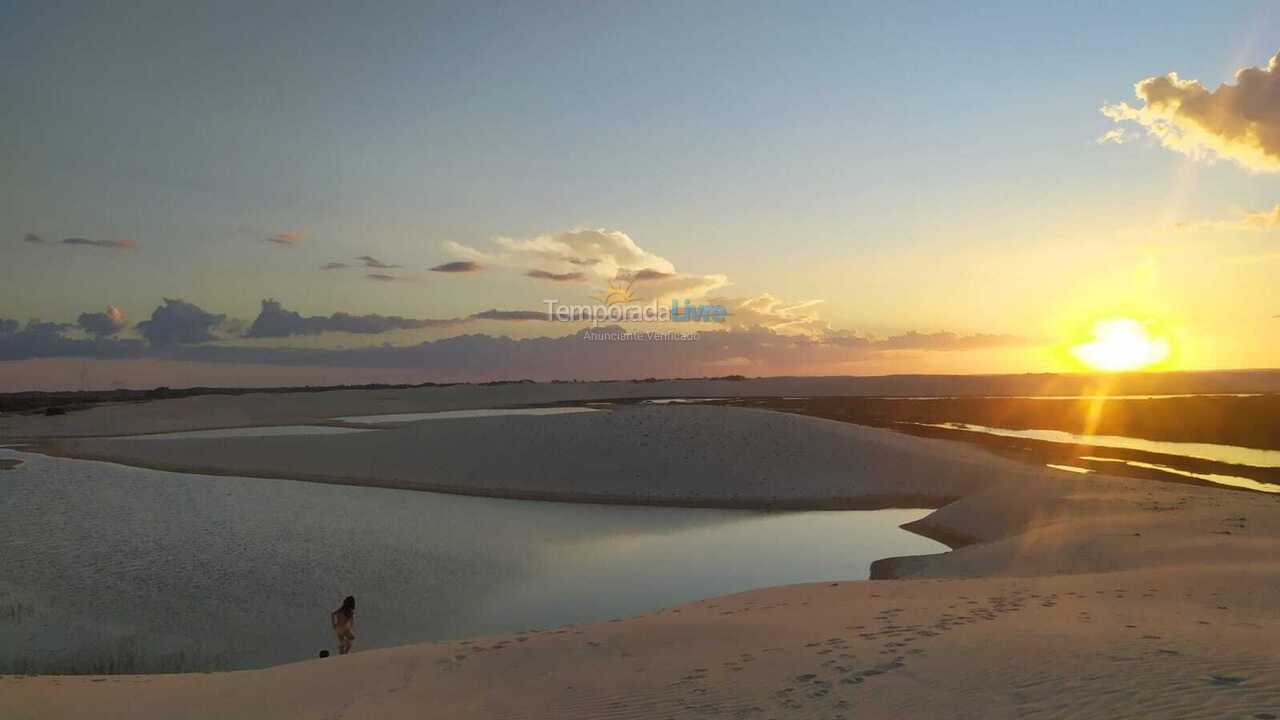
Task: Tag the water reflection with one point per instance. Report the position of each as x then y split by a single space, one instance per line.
114 568
1216 478
455 414
267 431
1204 451
1069 468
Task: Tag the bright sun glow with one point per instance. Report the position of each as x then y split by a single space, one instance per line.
1120 344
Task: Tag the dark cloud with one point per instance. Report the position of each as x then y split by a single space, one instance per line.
511 315
275 321
373 262
180 322
589 354
32 238
334 266
586 262
558 277
578 355
287 239
381 277
114 244
103 324
48 340
458 266
647 274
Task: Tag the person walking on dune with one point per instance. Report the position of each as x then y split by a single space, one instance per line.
344 623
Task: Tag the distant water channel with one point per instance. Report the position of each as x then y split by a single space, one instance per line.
107 568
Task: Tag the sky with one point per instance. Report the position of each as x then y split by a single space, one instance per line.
868 188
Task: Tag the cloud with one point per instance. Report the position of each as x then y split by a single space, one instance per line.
1115 135
180 322
1264 220
649 275
768 312
104 323
466 252
334 266
583 355
381 277
459 266
288 239
557 277
372 262
275 321
511 315
1255 221
948 341
602 254
114 244
33 238
1239 122
48 340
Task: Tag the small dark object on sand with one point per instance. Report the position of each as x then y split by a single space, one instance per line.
324 653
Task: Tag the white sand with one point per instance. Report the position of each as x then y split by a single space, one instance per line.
678 455
1078 596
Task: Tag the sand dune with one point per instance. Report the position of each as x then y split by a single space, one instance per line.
1069 596
1123 645
648 454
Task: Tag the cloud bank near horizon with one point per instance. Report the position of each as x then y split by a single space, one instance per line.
180 331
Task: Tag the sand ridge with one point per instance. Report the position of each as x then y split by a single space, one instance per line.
1067 596
689 455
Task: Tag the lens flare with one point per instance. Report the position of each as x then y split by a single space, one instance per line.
1121 344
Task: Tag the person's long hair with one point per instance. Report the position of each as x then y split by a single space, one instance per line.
348 606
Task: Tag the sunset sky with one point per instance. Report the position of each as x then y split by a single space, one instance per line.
869 189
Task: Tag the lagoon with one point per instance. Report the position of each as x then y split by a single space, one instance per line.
108 568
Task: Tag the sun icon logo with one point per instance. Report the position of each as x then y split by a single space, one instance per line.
618 292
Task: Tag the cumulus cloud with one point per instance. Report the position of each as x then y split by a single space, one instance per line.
373 262
288 239
1239 122
103 324
275 321
557 277
601 254
458 266
113 244
180 322
768 312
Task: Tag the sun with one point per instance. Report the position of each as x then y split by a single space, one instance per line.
1121 344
